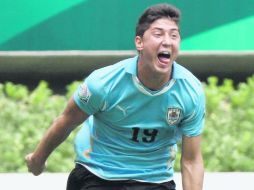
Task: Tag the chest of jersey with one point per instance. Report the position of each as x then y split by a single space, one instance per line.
140 117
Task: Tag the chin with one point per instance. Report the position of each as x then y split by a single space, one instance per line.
163 70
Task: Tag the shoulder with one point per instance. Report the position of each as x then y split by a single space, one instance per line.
187 78
192 96
105 77
190 89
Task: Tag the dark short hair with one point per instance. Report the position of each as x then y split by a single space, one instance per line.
154 13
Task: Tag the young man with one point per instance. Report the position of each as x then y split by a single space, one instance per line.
139 108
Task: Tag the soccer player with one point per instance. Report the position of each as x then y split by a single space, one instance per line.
136 111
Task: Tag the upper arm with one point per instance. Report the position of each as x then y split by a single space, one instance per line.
72 115
191 148
192 166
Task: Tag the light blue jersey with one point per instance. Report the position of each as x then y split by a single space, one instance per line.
132 131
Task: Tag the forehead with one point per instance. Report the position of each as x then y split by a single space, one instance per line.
164 24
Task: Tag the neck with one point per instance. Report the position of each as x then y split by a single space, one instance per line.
151 79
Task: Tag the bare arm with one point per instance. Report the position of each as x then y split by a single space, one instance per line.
60 129
192 167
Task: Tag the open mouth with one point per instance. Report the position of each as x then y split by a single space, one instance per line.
164 56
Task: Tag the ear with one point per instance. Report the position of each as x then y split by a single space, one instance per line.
139 43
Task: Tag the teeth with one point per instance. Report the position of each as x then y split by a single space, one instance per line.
165 52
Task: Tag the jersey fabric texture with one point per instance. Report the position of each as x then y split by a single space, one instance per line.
132 131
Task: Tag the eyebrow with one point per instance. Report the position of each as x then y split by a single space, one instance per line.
161 29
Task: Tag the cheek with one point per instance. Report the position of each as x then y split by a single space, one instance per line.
152 45
152 41
176 46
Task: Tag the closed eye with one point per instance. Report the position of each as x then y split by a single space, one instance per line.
157 34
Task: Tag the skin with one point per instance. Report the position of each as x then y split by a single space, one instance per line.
60 129
163 35
154 73
192 167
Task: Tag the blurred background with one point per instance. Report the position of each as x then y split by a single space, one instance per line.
61 41
110 25
47 47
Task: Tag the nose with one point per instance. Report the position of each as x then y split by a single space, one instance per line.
166 40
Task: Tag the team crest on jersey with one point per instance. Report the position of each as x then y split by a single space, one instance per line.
173 115
84 93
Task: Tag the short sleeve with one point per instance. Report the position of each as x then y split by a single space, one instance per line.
193 124
89 96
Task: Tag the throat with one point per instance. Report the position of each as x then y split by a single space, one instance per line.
151 79
153 83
